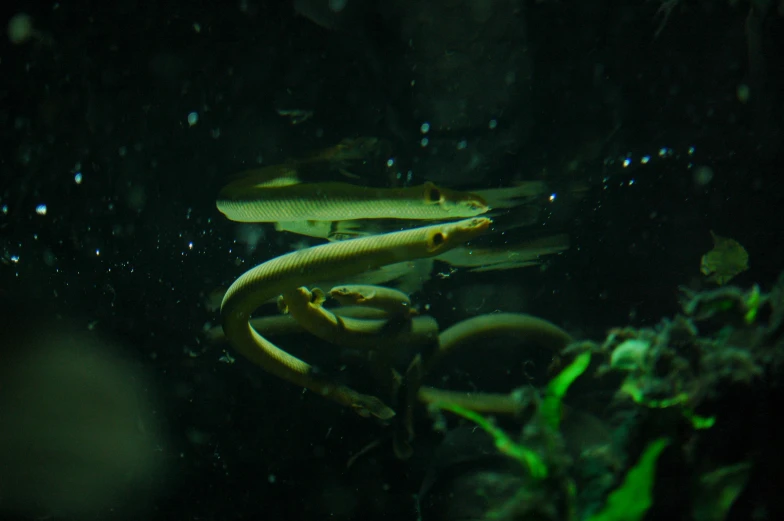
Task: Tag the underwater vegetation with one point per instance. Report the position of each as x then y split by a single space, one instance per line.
657 419
686 409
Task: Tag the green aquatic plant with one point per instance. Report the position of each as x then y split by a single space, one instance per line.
558 386
753 301
717 491
550 410
631 387
528 458
632 499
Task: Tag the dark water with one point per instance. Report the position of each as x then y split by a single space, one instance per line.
122 121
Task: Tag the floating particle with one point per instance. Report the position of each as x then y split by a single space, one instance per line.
337 6
193 118
703 175
136 198
424 142
20 28
391 162
49 258
296 116
40 209
492 124
744 93
462 144
425 128
227 358
78 178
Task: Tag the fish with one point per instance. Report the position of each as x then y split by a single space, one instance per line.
273 176
342 201
512 196
528 253
299 170
296 116
726 260
349 149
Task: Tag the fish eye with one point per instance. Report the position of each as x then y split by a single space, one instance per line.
437 239
433 195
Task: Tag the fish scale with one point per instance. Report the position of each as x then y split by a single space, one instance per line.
333 260
343 201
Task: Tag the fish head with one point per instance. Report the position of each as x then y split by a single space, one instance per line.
457 203
444 237
468 205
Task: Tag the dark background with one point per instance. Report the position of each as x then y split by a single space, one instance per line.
106 92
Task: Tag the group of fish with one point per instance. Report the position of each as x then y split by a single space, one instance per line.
334 211
374 252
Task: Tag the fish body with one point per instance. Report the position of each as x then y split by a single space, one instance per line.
342 201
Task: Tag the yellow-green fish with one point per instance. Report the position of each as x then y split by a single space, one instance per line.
342 201
727 259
